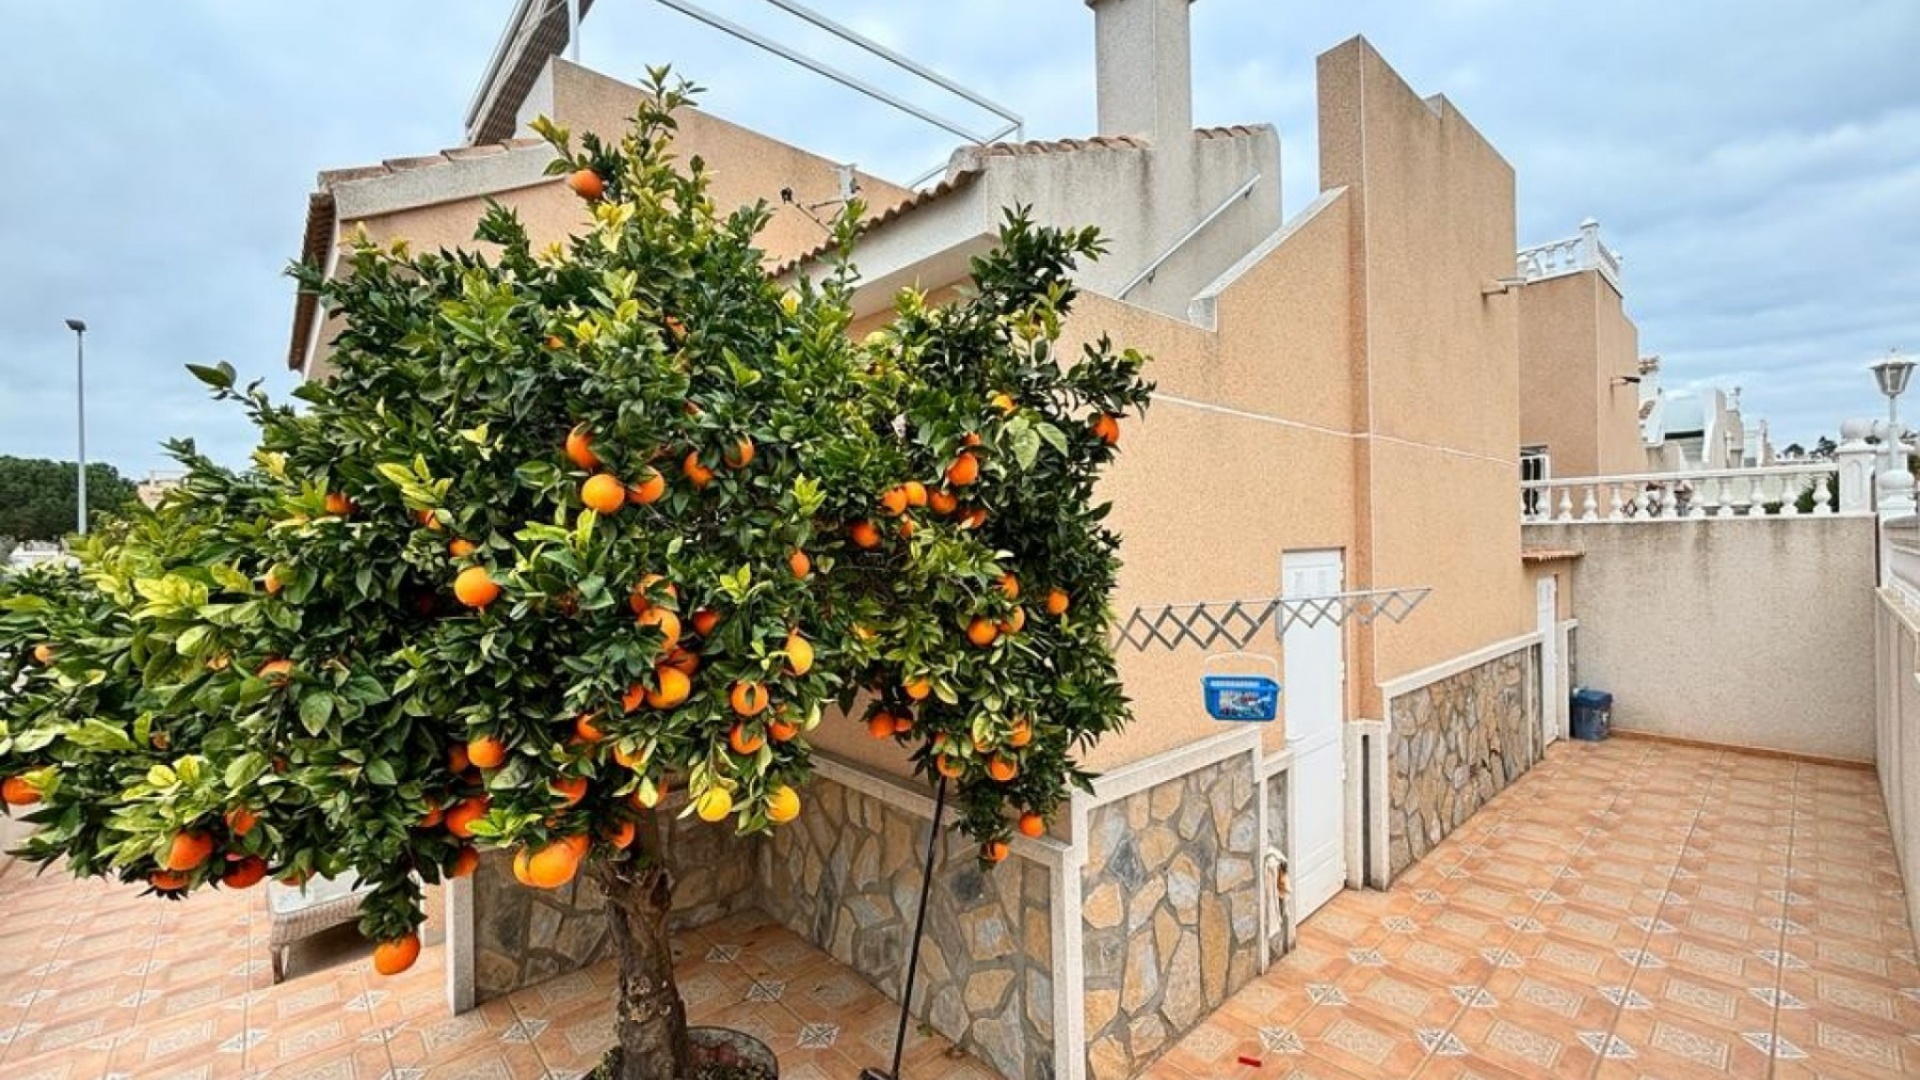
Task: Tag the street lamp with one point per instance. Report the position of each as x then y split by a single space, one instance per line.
79 328
1892 374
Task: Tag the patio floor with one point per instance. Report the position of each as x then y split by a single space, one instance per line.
1629 909
97 981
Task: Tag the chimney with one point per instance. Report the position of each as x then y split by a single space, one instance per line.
1143 56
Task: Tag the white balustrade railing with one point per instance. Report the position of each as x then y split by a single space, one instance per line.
1774 490
1570 256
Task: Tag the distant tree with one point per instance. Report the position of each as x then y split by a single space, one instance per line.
1823 449
38 498
1794 450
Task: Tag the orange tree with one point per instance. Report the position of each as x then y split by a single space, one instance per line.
568 529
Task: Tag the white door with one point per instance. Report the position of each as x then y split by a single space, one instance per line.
1546 599
1316 716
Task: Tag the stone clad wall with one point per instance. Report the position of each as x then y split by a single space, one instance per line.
846 876
524 936
1170 908
1453 745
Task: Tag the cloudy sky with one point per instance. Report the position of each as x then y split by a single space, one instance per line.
1756 161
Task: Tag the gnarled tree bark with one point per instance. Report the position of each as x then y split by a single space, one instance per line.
652 1018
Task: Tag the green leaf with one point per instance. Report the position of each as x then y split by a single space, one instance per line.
220 377
245 769
316 708
1054 436
381 773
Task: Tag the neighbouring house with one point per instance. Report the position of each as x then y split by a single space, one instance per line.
1339 421
1579 361
155 487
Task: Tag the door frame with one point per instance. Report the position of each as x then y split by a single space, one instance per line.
1336 745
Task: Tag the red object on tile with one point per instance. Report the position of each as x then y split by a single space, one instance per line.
1245 1060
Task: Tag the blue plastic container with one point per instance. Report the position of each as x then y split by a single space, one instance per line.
1242 698
1592 717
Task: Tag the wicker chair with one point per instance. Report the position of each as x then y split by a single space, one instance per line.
303 911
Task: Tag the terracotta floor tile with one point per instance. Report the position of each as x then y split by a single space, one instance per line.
1526 1046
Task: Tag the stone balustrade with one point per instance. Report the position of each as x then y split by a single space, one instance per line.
1571 255
1774 490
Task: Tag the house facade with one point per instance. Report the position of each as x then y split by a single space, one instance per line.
1335 440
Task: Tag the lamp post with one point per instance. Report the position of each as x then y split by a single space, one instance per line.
1892 374
79 328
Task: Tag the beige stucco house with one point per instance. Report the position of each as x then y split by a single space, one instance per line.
1339 420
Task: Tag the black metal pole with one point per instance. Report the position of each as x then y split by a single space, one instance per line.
919 929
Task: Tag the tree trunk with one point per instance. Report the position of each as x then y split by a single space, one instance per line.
652 1018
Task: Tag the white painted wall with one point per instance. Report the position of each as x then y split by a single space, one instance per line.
1741 631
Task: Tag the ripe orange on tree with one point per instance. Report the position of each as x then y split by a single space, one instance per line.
245 873
571 789
15 791
916 493
433 816
603 493
748 698
241 820
1032 824
704 621
783 804
880 725
799 654
714 804
949 767
620 834
1105 428
1009 585
682 659
168 881
587 184
1057 602
671 688
487 752
994 851
799 564
696 472
339 505
460 547
460 819
780 729
187 851
964 471
740 454
1002 769
918 689
864 535
276 671
902 723
580 449
1015 622
943 502
586 730
648 490
894 501
666 622
744 742
982 632
397 955
465 862
475 587
457 759
1022 733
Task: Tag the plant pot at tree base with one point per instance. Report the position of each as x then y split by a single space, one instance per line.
717 1054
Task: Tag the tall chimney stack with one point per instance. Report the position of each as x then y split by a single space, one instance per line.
1143 54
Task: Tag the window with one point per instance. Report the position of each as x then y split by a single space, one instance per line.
1535 465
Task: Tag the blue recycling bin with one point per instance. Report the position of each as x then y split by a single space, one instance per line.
1592 718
